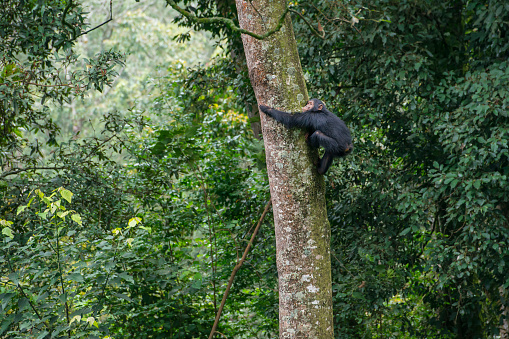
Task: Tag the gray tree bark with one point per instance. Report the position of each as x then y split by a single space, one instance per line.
297 190
504 327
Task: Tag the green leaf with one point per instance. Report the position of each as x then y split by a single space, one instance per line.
127 277
54 206
75 318
66 194
42 335
63 297
14 278
76 277
4 222
148 229
5 298
134 221
21 209
454 183
122 296
30 202
76 218
43 215
357 295
22 303
197 284
6 323
39 193
62 215
42 296
405 231
8 232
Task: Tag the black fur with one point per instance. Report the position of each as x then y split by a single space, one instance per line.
323 128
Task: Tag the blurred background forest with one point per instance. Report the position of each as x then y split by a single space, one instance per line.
132 171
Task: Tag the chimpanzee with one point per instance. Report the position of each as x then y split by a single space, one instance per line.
323 129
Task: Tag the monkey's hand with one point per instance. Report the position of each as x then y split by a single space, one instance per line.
265 109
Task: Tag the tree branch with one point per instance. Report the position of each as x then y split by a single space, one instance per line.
24 294
315 32
228 22
104 23
16 171
236 268
43 85
30 302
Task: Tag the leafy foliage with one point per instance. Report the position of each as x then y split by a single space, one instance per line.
165 203
421 211
197 197
36 39
167 186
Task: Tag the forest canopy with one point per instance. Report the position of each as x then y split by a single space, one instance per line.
132 171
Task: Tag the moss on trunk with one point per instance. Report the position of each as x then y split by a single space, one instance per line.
298 191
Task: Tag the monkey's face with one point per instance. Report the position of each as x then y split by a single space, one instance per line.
309 106
313 105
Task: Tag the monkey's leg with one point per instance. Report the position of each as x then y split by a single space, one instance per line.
325 163
318 139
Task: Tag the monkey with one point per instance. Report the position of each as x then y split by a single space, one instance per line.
323 128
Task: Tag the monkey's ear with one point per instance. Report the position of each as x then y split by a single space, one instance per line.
320 107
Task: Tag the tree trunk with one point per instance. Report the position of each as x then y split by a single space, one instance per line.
297 190
504 326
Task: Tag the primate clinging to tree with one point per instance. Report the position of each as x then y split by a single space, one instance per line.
323 129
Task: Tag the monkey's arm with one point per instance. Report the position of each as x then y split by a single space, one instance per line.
288 119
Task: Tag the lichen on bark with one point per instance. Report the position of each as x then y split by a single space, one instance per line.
297 190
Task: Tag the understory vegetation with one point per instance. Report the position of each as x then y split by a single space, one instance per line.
131 179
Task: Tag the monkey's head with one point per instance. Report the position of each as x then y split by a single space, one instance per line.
313 105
